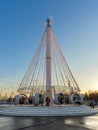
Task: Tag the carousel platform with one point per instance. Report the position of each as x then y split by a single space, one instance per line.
65 110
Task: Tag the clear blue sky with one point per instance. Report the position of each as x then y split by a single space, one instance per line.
75 25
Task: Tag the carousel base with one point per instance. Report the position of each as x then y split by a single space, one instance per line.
70 110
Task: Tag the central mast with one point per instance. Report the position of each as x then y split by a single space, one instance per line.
48 56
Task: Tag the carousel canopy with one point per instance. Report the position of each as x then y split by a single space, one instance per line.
48 68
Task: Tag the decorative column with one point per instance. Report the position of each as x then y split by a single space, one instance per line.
48 92
48 57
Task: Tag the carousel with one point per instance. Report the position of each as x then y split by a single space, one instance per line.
50 84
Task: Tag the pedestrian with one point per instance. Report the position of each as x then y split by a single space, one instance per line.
47 101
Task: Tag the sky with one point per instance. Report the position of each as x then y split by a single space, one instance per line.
75 26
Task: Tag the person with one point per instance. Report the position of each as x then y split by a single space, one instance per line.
41 100
47 101
92 104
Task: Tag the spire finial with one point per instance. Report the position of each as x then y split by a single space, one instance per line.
48 22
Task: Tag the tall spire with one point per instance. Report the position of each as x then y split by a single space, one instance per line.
48 55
